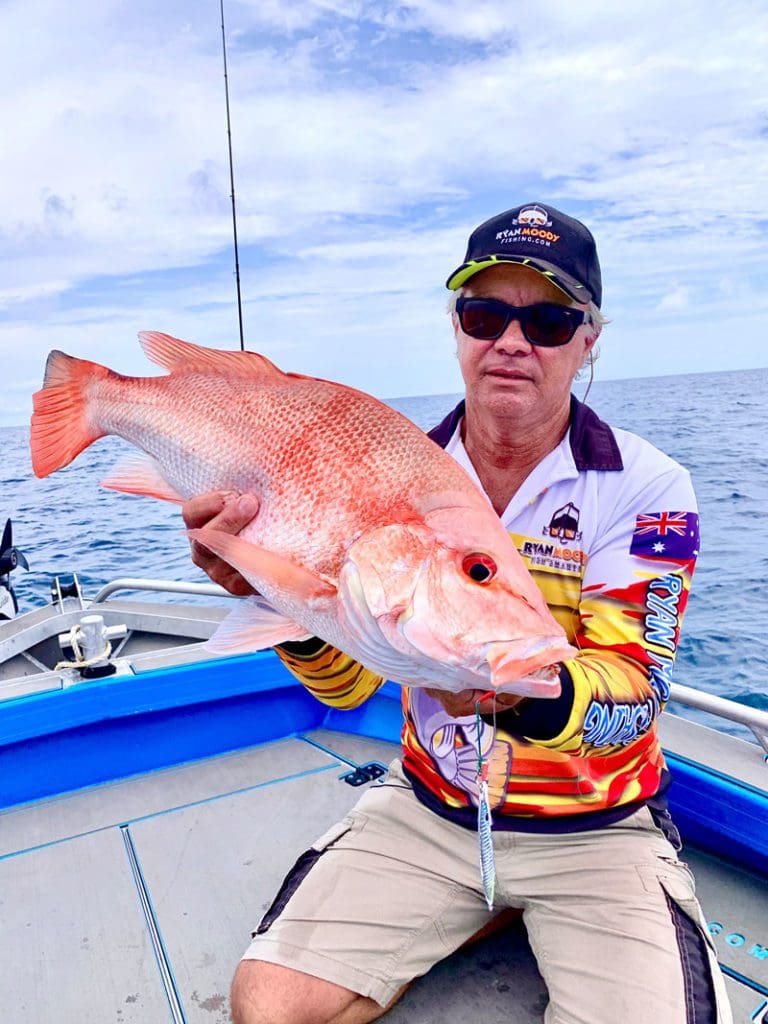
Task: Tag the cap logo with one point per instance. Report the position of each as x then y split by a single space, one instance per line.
531 225
534 216
518 235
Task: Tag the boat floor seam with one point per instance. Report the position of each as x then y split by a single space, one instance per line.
162 959
124 823
744 979
327 750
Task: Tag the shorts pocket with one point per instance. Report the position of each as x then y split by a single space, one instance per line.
301 869
675 878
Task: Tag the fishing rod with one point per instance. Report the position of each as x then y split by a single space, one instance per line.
232 177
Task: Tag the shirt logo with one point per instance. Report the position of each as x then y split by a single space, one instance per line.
552 557
564 524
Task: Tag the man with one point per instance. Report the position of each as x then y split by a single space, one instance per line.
583 842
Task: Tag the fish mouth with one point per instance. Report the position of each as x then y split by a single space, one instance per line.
532 672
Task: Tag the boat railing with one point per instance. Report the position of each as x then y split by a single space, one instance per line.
159 586
754 719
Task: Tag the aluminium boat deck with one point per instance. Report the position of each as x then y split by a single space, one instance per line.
131 901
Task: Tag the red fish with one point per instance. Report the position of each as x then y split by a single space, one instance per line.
369 535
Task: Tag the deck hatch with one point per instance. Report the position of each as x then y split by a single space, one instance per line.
365 773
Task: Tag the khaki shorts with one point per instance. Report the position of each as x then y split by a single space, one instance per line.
611 913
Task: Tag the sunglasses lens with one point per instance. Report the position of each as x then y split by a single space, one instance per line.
482 319
550 325
543 323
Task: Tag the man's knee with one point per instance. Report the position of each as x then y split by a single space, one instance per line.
264 993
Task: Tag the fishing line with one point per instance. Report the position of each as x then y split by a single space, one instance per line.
232 178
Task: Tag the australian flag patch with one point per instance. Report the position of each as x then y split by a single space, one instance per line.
673 536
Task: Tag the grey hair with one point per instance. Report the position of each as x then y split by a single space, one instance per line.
595 315
599 320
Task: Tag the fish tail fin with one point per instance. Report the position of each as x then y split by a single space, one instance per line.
61 425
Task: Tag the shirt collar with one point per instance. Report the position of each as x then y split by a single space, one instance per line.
593 444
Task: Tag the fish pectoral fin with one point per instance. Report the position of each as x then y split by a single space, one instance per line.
252 626
138 474
266 569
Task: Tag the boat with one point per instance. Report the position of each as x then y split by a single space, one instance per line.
152 797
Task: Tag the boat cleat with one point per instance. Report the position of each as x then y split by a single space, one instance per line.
91 644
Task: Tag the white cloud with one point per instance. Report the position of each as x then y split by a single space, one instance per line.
483 20
32 291
679 298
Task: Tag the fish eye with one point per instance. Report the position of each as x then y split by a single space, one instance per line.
480 568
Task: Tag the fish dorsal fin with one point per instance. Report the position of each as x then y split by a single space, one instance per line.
175 354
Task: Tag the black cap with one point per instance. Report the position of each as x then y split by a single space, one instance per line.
541 237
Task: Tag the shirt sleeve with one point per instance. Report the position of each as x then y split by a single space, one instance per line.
633 595
330 675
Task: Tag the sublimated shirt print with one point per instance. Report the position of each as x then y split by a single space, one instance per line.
616 574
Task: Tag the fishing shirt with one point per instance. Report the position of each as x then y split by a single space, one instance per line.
607 526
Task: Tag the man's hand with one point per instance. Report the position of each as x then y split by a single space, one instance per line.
228 512
463 703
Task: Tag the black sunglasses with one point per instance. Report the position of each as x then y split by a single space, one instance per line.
543 323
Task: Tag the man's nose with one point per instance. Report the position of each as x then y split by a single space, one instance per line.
513 341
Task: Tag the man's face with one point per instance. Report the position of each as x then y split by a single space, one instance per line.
509 378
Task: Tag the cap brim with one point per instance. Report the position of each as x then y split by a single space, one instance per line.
572 288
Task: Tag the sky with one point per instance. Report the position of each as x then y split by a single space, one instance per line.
370 137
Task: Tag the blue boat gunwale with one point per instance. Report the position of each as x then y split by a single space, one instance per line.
89 701
50 711
59 741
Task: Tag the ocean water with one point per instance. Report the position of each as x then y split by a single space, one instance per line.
716 424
